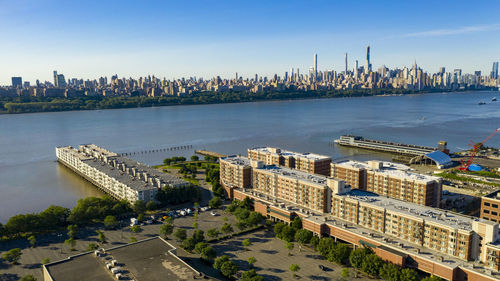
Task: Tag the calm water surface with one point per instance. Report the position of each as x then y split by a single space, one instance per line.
31 179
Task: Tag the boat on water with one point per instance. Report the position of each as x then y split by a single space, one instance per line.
494 99
481 103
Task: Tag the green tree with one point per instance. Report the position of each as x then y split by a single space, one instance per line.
294 268
135 228
314 241
166 229
226 228
71 242
289 246
140 217
208 254
215 202
32 240
72 231
251 275
357 256
303 236
389 272
110 222
195 158
92 247
28 278
139 206
326 246
251 261
151 205
432 278
188 244
45 261
371 265
344 272
213 233
199 235
228 269
12 256
219 261
180 234
296 223
408 274
195 225
241 225
101 236
199 247
339 254
246 242
287 233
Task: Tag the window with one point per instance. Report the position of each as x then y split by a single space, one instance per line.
494 213
486 204
486 211
494 205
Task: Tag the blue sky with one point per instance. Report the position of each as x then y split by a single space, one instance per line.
203 38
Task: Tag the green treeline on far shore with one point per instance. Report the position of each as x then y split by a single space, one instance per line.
48 104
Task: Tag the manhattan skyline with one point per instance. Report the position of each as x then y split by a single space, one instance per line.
208 38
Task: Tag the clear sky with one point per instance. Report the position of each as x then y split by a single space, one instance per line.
204 38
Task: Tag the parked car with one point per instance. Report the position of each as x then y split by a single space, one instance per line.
133 221
213 213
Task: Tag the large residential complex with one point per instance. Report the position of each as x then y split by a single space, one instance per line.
306 162
118 176
442 243
391 180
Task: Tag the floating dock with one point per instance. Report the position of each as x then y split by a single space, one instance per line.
392 147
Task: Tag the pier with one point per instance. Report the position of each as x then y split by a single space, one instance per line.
174 148
385 146
209 153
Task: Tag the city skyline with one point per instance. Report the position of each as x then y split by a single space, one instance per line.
206 39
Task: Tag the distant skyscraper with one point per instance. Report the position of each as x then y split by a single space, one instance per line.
315 67
55 78
442 70
345 63
17 82
494 71
368 65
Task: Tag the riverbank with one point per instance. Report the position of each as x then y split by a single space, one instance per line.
46 104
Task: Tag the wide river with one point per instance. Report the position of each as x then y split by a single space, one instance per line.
31 179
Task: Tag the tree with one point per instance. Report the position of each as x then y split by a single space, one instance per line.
325 246
344 272
195 158
151 205
199 247
139 206
208 254
226 228
432 278
45 261
140 217
303 236
28 278
199 235
294 268
246 242
213 233
314 241
241 225
135 228
101 236
251 261
254 219
166 229
12 256
71 242
110 222
389 272
296 223
92 247
408 274
215 202
357 256
371 264
132 239
287 233
72 231
289 246
278 227
195 225
228 268
32 240
339 254
251 276
188 244
219 261
180 234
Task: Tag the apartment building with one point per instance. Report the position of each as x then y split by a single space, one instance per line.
235 172
118 176
490 206
391 180
306 162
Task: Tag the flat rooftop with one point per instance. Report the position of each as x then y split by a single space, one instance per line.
391 169
282 152
435 215
237 160
493 195
295 174
149 260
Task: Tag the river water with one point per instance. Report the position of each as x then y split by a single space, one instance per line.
31 179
